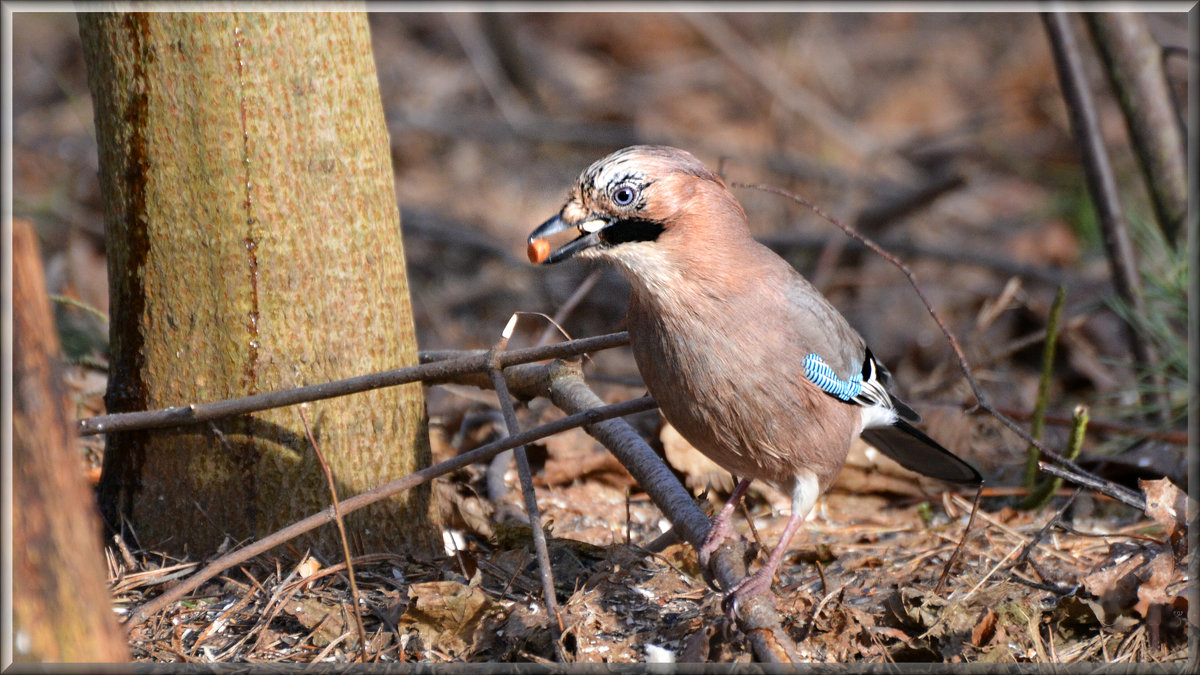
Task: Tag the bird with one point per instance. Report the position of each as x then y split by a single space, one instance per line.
743 355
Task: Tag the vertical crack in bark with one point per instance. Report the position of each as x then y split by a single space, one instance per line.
250 239
249 450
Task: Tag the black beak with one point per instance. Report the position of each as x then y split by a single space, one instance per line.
539 248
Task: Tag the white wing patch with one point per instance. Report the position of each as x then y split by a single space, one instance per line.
866 389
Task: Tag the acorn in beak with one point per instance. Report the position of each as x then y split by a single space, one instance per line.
539 248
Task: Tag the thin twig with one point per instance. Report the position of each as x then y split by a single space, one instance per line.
1041 533
79 304
1091 482
937 590
384 491
549 595
341 526
476 362
1118 492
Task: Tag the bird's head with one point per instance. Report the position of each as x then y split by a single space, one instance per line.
640 204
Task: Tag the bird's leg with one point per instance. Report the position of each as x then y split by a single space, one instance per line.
720 528
760 581
805 491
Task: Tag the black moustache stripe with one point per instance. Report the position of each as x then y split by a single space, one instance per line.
633 229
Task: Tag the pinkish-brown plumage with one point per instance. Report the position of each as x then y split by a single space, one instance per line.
721 327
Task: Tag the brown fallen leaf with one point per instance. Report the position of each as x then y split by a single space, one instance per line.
1114 583
1169 507
601 466
446 614
1157 573
1143 580
985 629
326 621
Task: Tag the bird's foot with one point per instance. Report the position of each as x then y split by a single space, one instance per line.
717 534
755 584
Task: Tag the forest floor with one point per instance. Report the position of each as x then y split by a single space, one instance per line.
942 136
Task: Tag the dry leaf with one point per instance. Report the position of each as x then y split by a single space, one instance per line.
601 466
327 622
1158 573
1168 506
985 629
446 614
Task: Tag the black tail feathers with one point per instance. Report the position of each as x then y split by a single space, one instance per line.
915 451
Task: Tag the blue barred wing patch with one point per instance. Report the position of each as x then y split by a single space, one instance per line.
819 373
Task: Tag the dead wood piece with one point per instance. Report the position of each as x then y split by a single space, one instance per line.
61 607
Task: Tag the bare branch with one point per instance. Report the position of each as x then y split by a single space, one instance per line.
474 362
527 490
1091 482
1102 184
1135 68
341 526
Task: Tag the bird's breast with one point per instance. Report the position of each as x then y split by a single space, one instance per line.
734 388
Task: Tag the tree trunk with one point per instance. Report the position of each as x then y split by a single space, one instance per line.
62 610
253 245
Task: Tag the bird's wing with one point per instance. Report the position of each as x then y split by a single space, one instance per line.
841 364
880 388
915 451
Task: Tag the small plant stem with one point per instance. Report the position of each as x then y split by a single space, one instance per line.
1038 423
1038 496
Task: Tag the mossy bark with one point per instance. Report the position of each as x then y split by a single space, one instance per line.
253 245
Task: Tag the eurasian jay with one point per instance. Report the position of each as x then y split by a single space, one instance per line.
749 362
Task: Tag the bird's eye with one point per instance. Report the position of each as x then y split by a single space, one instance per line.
624 195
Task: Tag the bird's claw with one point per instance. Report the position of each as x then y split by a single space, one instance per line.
755 584
717 534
